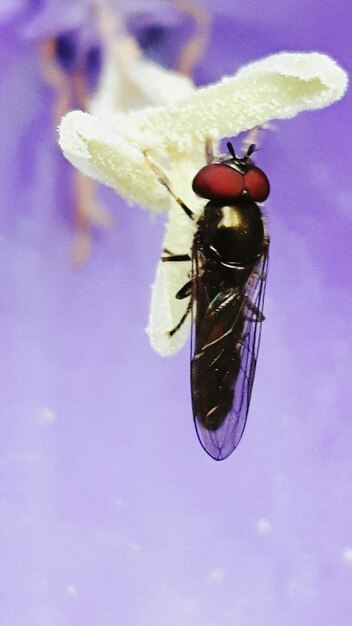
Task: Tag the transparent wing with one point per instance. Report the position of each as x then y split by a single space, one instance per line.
225 342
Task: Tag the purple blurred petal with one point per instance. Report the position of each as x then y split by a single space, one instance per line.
9 9
52 17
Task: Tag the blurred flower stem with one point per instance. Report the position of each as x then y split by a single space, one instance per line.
194 48
72 89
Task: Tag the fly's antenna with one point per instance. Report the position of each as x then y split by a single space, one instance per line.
250 151
231 149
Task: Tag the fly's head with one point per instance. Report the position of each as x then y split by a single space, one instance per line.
232 179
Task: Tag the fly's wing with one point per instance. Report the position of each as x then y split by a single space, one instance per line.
225 343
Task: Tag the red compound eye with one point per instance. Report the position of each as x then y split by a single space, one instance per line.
257 184
218 182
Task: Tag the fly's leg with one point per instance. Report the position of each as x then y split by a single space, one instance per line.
176 257
163 180
257 316
182 320
184 292
256 273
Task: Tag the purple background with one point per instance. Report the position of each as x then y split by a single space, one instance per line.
111 513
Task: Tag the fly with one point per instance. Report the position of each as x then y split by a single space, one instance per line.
226 287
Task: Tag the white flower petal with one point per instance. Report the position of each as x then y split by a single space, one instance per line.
277 87
100 152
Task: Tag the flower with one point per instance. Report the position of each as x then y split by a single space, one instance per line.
111 148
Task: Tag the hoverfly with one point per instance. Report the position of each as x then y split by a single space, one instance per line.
226 287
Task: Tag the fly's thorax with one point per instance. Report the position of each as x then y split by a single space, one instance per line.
235 232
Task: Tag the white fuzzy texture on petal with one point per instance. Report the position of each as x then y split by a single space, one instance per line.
98 151
277 87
